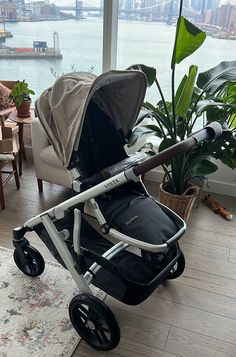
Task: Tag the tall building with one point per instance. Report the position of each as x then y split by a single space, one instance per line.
197 4
227 18
20 3
8 10
212 4
128 5
203 5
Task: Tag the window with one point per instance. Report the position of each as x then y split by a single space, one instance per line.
146 34
40 29
146 30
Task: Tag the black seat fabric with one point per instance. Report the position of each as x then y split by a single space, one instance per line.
101 145
137 216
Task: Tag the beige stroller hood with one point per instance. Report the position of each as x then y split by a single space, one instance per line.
62 108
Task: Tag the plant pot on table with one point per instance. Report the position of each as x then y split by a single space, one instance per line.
23 110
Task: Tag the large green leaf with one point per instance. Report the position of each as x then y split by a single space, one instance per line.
189 39
211 80
224 148
206 104
184 101
203 168
150 72
144 130
165 144
159 116
180 88
143 115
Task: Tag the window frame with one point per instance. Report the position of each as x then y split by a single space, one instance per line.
110 32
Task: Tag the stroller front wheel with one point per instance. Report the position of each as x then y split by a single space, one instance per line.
33 264
94 322
178 268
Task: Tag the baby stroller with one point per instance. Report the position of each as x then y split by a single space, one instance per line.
88 120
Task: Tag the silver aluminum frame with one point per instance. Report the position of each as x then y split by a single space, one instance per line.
59 211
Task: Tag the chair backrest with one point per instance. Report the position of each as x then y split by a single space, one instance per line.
4 114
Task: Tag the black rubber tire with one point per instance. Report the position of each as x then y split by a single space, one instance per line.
34 265
94 322
178 268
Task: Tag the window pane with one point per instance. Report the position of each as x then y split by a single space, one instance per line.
147 30
79 41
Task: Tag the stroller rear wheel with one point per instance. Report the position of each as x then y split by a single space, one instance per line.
33 264
178 268
94 322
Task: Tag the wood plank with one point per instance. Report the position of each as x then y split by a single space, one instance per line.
124 349
154 333
209 265
197 236
212 223
209 282
186 344
186 317
200 299
206 250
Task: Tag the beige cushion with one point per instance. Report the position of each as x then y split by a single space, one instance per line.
6 157
49 157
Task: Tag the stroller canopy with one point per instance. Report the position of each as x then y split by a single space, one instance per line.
62 108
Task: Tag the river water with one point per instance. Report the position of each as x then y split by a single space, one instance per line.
81 46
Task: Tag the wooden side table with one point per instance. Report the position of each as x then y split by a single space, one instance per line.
21 122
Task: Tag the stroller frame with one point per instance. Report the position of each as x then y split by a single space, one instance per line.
59 211
108 107
91 317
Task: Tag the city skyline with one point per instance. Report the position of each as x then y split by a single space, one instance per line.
97 2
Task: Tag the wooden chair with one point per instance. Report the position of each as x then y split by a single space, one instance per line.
4 113
6 158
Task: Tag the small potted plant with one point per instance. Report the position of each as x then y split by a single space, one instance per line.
20 95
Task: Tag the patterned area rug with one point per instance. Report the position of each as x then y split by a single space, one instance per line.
34 318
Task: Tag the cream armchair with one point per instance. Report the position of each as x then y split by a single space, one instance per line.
47 166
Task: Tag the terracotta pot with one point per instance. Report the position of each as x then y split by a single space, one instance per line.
181 204
23 110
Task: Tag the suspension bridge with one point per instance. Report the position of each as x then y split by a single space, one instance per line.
167 9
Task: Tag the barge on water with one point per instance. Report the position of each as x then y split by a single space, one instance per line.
39 50
29 53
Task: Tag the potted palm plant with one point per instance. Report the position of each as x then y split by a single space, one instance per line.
20 95
211 93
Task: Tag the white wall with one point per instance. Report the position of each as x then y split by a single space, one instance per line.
223 180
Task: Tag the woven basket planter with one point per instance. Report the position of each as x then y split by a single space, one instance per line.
181 204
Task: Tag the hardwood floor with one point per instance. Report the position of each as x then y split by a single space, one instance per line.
195 315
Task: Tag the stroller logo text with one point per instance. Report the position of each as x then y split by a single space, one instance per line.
131 220
112 183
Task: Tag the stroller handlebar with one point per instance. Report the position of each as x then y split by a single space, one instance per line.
210 132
